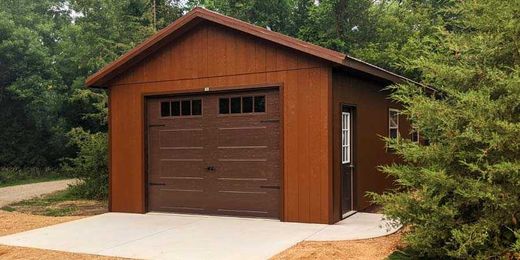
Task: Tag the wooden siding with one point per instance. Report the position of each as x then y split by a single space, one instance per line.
211 50
213 56
371 108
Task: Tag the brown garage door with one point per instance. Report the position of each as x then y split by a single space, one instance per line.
215 154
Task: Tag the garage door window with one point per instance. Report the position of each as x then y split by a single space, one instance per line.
259 104
165 109
236 105
241 105
177 108
247 104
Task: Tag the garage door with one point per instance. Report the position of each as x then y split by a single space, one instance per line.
215 154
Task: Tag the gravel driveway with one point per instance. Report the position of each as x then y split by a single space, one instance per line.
17 193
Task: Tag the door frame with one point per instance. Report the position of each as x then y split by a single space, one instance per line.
209 91
354 144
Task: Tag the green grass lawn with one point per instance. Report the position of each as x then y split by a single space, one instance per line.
60 203
29 181
399 255
11 176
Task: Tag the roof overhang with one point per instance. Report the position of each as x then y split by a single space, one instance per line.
197 15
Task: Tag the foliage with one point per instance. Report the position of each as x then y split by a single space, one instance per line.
460 194
29 85
90 164
406 30
47 48
273 14
339 24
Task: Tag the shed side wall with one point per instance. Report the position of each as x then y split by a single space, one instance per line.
371 125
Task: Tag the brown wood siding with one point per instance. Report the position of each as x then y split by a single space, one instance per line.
371 108
215 57
211 50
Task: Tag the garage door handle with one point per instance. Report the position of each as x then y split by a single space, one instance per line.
270 121
270 187
155 125
211 168
156 184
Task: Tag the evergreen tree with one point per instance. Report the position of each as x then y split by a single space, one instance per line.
460 194
405 29
339 24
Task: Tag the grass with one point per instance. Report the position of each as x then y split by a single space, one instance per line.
9 209
399 255
60 203
34 180
11 176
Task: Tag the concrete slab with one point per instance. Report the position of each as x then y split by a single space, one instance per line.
219 238
93 234
176 236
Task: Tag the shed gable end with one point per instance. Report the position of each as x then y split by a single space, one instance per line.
212 50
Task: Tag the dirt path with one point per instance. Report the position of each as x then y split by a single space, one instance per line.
17 193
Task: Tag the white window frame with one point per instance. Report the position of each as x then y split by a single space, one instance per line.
390 127
345 138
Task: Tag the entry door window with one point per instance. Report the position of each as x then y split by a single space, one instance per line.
345 137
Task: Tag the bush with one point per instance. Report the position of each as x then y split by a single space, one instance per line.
15 175
90 165
460 195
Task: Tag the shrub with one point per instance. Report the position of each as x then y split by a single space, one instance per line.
90 164
460 195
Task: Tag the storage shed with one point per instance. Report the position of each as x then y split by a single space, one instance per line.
212 115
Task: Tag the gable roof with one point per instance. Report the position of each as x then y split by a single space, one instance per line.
198 14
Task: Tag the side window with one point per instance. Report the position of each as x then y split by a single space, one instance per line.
414 135
241 105
179 108
393 123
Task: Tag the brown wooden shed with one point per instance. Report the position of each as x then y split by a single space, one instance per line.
212 115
